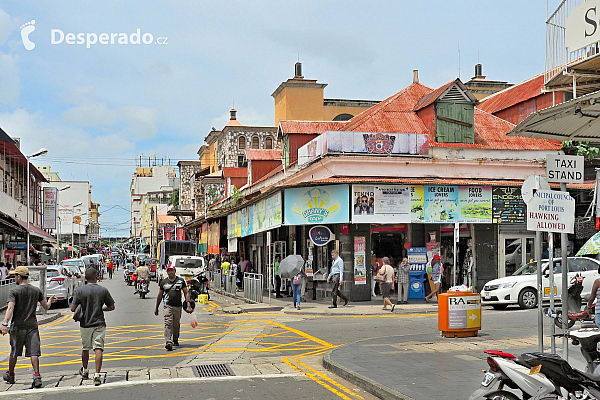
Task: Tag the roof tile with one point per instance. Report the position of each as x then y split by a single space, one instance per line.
513 95
263 154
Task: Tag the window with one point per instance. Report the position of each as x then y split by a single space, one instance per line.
268 143
343 117
581 265
255 142
241 142
242 162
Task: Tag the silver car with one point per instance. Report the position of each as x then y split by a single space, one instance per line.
77 262
58 284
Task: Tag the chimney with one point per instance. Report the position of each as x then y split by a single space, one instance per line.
233 111
415 76
298 71
479 71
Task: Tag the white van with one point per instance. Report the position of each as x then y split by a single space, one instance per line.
186 266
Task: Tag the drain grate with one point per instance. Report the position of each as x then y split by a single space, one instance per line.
212 370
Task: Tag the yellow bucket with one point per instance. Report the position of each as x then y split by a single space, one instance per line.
203 299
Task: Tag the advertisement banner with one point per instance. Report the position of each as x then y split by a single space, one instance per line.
475 204
360 269
168 232
214 236
50 209
508 206
381 203
179 234
441 204
317 205
417 203
258 217
232 245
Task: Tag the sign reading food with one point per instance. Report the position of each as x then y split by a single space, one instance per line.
475 204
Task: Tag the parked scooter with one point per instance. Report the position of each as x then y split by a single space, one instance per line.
143 288
574 302
510 371
198 285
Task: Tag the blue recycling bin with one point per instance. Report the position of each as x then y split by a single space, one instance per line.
416 284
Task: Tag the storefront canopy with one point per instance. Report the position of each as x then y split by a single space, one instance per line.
577 119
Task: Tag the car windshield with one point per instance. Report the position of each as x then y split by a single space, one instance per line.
51 273
531 268
189 263
73 262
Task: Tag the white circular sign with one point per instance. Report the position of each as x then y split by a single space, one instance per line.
531 184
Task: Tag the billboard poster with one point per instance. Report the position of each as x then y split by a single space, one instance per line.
441 204
317 205
258 217
50 209
203 242
508 205
417 203
475 204
381 203
360 269
214 236
238 224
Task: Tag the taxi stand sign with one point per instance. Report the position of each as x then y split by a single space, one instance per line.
551 211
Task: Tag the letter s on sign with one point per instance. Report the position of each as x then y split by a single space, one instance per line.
591 21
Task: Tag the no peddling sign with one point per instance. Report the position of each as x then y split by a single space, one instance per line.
551 211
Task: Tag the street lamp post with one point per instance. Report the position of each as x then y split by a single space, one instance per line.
72 225
40 152
59 221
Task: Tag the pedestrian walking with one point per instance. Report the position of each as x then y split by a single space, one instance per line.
94 300
374 268
403 279
169 293
336 277
111 266
297 288
277 277
436 276
387 271
20 313
3 271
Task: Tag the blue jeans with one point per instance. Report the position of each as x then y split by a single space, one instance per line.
597 317
296 290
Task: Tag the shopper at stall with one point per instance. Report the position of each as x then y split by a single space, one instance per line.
374 268
387 271
436 276
403 278
336 277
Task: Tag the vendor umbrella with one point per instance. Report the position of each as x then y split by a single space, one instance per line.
592 246
290 266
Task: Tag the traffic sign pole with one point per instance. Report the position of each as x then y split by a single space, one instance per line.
564 239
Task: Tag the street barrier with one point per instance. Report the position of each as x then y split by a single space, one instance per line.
230 284
5 286
216 283
253 287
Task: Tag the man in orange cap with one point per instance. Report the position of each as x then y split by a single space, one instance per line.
22 304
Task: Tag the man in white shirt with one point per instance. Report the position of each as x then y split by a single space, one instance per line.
336 276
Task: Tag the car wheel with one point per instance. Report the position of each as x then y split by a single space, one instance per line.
528 298
499 306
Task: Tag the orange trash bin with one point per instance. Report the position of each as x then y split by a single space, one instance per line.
459 314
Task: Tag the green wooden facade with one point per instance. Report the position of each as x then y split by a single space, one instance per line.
454 122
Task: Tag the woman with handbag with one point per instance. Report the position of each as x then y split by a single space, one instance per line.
297 287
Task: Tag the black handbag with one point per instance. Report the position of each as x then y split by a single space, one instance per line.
78 314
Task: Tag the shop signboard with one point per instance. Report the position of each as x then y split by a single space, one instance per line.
464 312
214 236
551 211
203 243
417 200
360 269
582 25
381 203
50 208
258 217
9 253
508 206
475 204
564 169
441 204
317 205
320 235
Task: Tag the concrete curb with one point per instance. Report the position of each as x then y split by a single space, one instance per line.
51 318
375 388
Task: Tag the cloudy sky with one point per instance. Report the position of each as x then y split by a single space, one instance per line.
96 109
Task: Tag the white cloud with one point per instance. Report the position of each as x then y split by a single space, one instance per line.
10 83
7 26
90 114
143 120
245 115
111 144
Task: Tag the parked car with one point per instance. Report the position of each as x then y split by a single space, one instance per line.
141 258
185 266
520 287
77 262
77 277
58 284
87 260
152 264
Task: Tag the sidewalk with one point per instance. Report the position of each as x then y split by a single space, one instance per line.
42 319
321 306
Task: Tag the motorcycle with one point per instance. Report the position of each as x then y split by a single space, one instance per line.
129 278
505 369
143 288
198 285
574 312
